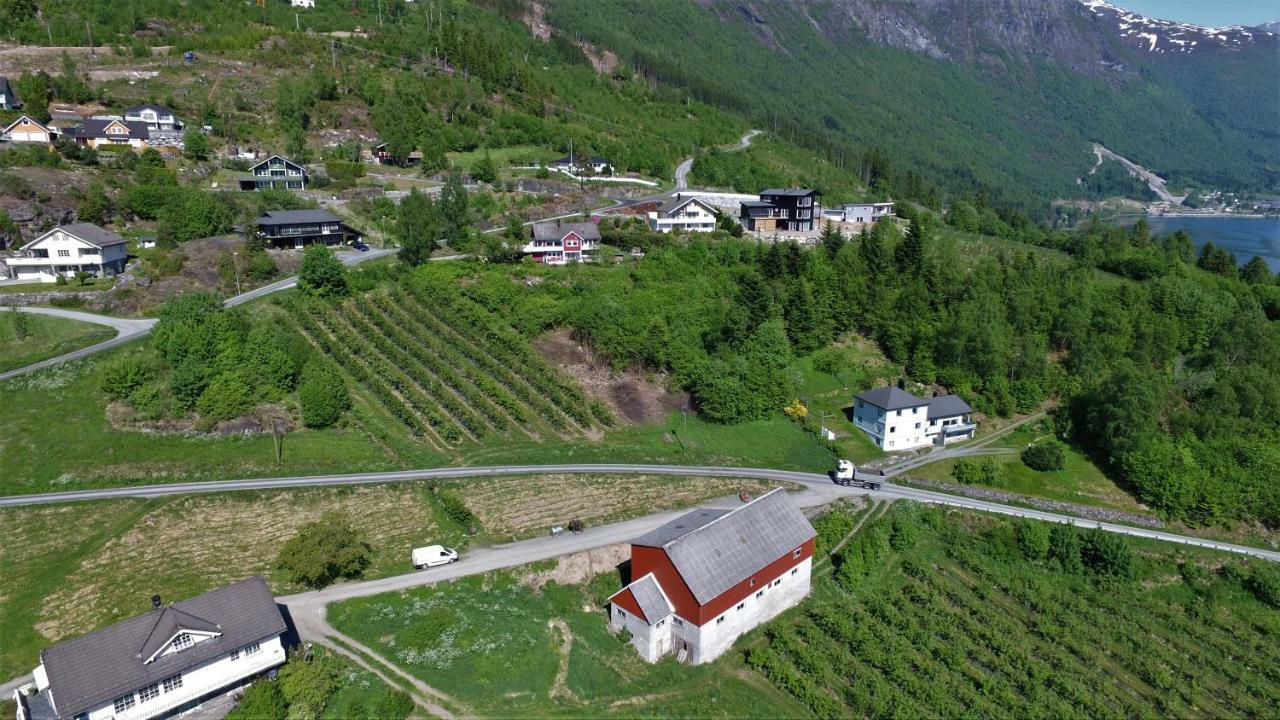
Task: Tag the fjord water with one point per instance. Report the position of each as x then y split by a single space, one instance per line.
1244 236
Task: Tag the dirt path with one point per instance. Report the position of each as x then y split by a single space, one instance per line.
560 687
1153 181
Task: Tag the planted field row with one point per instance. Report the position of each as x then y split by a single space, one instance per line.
513 350
377 386
460 347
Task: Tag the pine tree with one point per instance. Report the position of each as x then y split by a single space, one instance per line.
454 210
800 314
831 240
909 255
1256 272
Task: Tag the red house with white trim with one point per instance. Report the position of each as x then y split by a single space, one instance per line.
557 243
711 575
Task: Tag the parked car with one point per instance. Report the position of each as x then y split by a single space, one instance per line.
360 245
433 555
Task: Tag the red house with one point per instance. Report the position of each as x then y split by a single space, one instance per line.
556 243
711 575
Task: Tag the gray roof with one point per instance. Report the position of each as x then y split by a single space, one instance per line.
948 406
88 232
678 202
95 127
269 158
167 624
159 109
652 601
290 217
790 192
713 550
99 667
555 231
890 398
594 160
756 203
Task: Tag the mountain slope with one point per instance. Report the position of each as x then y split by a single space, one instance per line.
1002 93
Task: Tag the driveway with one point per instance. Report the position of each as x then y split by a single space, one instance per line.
126 329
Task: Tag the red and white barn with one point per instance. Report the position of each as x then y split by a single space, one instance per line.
711 575
556 243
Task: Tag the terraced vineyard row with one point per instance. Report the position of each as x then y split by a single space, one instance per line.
969 637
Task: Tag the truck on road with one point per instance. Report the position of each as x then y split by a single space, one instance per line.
846 474
433 555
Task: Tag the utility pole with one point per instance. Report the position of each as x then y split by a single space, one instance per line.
235 265
89 30
333 54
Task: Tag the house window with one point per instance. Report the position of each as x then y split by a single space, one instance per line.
796 553
661 623
741 605
899 413
719 619
758 594
171 683
182 641
679 622
64 253
917 426
235 654
253 648
795 570
890 443
124 703
150 692
752 583
893 429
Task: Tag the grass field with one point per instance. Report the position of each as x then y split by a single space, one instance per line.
69 571
46 337
953 622
1080 481
72 286
829 397
504 157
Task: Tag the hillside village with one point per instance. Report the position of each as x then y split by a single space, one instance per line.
407 359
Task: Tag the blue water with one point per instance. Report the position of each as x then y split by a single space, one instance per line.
1245 237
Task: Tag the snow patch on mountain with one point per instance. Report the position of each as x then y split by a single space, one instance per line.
1160 36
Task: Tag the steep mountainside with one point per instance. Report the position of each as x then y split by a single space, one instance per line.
1008 94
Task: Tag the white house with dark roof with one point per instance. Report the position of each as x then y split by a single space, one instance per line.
683 213
556 243
161 663
276 171
707 577
859 212
898 420
67 250
155 117
28 130
573 163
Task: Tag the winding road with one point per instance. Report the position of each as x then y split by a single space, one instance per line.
686 166
132 328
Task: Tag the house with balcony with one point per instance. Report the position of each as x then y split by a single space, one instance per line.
67 250
155 117
683 214
576 163
275 172
101 132
27 130
859 212
162 663
895 419
782 209
298 228
8 95
710 575
555 243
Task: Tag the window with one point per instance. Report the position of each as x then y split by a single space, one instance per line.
899 413
171 683
893 429
679 622
915 410
778 581
235 654
150 692
253 648
890 443
796 553
741 605
124 703
917 426
719 619
660 623
795 570
758 594
182 641
64 253
752 583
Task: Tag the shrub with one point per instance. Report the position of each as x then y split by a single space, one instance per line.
21 323
148 402
1044 457
1107 554
321 274
391 705
262 701
457 510
1033 539
324 551
1264 583
124 376
308 685
228 396
323 395
187 382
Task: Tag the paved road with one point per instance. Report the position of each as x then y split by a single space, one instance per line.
126 329
133 328
813 481
683 169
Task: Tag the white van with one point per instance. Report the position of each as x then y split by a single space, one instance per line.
432 555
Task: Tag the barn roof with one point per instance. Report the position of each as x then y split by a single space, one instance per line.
650 598
713 550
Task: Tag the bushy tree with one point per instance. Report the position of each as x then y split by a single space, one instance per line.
484 170
1256 272
228 396
1064 548
195 144
417 227
1264 583
455 210
324 551
308 685
1044 456
1107 554
261 701
124 375
321 274
1033 538
323 395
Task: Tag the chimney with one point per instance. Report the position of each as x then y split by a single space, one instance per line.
155 602
902 384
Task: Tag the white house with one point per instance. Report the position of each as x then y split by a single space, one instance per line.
155 117
27 130
859 212
276 171
68 249
709 576
573 163
555 243
683 214
897 420
162 663
303 3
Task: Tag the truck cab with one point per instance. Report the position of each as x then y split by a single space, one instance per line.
433 555
844 472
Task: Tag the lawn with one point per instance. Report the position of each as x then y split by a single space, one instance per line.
1080 481
504 157
72 286
68 571
446 635
46 337
830 397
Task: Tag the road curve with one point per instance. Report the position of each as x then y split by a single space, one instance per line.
812 481
683 169
134 328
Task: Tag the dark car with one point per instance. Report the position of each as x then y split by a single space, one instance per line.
360 245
